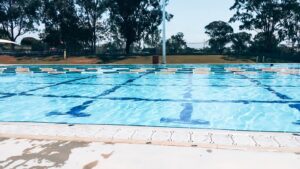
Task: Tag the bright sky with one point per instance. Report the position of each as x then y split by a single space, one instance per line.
191 16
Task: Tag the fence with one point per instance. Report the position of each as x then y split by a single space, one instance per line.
115 55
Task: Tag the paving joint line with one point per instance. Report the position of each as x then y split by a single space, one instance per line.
171 135
210 135
232 139
255 142
276 141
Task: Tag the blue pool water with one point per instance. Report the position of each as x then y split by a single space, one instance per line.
265 101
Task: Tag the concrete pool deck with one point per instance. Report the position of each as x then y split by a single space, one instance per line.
34 145
42 154
223 139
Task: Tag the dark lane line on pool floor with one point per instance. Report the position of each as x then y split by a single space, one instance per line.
7 95
185 117
159 100
297 107
280 95
57 84
187 112
297 122
77 111
107 92
199 101
159 85
240 78
270 89
74 112
105 76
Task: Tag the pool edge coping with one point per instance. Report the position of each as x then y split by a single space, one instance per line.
180 137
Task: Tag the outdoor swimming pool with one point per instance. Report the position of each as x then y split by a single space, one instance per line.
233 97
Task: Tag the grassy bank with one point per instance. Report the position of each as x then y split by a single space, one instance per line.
187 59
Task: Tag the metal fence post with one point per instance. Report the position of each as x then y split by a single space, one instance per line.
164 53
65 54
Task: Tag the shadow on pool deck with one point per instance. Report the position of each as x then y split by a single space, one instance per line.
54 153
41 154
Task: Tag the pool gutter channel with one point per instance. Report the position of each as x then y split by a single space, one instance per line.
202 138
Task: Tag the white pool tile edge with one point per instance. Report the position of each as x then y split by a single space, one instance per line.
220 139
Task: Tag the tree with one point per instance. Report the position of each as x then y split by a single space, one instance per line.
291 23
153 40
3 34
176 43
62 25
111 48
219 33
261 15
35 44
18 17
28 41
259 43
240 42
134 19
91 12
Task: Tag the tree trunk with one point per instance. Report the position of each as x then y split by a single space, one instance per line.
94 36
127 49
94 45
12 46
12 38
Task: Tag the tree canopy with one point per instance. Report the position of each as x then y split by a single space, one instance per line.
35 44
176 43
240 42
291 22
272 19
62 28
91 14
134 20
220 33
18 17
124 26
